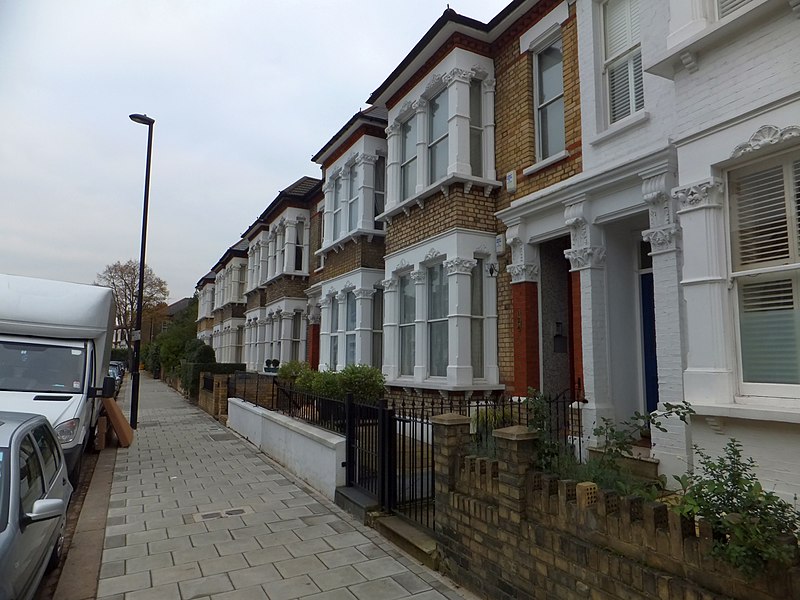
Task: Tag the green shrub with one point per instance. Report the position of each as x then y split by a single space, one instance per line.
753 528
484 421
328 384
290 371
365 383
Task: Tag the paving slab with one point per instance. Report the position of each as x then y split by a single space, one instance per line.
197 512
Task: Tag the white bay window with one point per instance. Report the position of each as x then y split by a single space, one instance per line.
765 239
408 158
437 134
437 320
408 302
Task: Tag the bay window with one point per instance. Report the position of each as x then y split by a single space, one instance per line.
476 127
437 320
549 101
377 329
765 238
437 135
476 320
297 326
334 334
622 58
338 205
407 298
352 204
299 249
408 158
350 329
380 189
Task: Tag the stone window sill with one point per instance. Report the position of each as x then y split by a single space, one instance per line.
543 164
612 131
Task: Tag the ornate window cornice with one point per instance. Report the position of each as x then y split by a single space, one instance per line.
766 135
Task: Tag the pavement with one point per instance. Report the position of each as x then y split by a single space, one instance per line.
197 512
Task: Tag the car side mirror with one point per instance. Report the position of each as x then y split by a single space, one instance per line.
44 510
108 389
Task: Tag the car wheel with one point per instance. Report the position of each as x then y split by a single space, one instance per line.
58 550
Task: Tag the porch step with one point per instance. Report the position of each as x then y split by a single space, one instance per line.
418 542
355 502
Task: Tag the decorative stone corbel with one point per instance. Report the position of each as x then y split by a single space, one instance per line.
701 194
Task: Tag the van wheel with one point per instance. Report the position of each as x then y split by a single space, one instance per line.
55 556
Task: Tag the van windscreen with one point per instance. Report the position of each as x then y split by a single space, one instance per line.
32 367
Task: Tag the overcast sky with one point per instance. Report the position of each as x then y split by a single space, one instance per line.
244 92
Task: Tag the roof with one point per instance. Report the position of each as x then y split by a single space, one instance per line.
10 422
207 278
176 307
377 115
453 21
239 249
302 189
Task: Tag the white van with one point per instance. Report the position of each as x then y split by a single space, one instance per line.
55 342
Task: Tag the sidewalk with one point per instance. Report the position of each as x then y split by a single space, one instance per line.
197 512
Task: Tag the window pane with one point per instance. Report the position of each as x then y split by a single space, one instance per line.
438 160
551 77
475 103
437 115
377 310
438 348
551 124
408 137
407 350
476 151
408 175
46 443
337 224
334 315
476 347
770 329
407 300
377 349
297 323
437 293
353 215
334 352
31 483
351 312
476 289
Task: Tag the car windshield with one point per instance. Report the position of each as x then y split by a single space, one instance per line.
31 367
4 488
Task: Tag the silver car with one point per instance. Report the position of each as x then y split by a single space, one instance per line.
34 494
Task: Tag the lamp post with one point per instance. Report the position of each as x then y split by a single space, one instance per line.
137 334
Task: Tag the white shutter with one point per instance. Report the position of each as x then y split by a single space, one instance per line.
623 58
726 7
796 181
760 228
769 322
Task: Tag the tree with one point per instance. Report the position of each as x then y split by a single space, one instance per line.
172 342
123 279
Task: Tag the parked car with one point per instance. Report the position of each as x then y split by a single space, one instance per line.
114 372
34 494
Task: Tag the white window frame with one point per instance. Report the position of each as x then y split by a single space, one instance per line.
538 107
338 209
773 271
408 163
353 201
626 56
441 99
297 335
406 280
478 318
350 326
476 129
379 191
333 353
431 321
377 329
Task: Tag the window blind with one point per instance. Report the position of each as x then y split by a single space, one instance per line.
726 7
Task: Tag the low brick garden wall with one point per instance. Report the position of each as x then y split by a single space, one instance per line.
506 531
214 402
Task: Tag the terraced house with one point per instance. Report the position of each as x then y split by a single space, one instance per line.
597 199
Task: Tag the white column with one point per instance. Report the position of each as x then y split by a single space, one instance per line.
709 375
261 340
420 325
391 343
459 354
324 331
341 299
587 256
392 166
489 171
421 115
366 217
364 325
286 336
271 255
291 243
458 121
673 448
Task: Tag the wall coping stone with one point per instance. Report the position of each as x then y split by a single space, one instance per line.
450 419
516 432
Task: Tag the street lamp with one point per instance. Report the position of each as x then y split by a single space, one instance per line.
137 334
